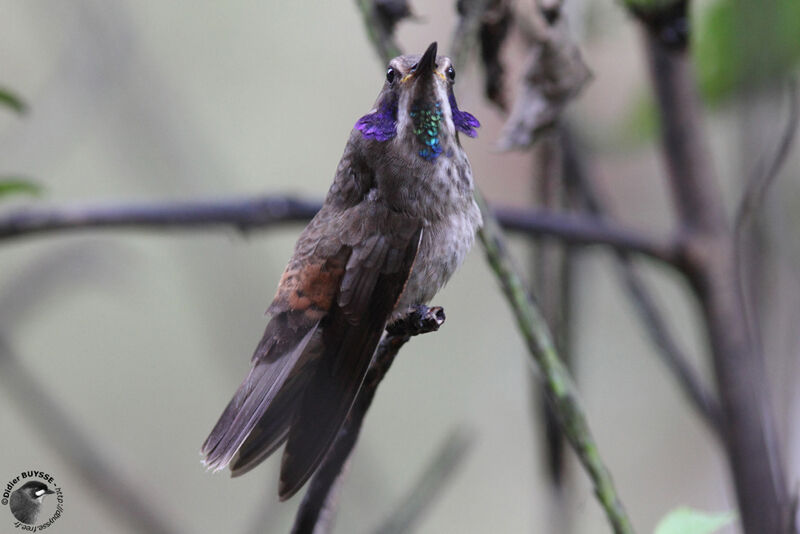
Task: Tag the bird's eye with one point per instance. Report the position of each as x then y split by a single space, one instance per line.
451 73
390 74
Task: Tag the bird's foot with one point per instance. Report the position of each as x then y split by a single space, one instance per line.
418 320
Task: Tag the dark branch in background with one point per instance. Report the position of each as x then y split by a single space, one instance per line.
436 474
754 452
241 214
316 510
555 264
263 212
494 30
583 230
389 13
703 400
471 14
550 266
380 18
78 449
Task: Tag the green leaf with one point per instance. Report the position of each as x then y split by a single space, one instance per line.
689 521
738 44
12 101
18 186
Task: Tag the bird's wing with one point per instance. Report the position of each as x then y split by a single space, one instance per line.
257 419
305 293
377 270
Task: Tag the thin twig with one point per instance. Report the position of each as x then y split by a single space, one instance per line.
315 514
760 182
551 265
753 197
267 211
78 449
434 478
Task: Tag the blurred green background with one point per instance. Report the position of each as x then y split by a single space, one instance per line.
142 337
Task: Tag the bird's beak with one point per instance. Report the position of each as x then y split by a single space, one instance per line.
48 491
427 63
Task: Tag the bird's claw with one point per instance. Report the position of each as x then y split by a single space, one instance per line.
420 319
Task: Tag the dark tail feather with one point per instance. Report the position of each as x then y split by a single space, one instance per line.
273 428
327 400
251 401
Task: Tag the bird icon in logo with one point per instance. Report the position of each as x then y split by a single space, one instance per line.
26 502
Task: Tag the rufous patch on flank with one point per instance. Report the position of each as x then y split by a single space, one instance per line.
312 287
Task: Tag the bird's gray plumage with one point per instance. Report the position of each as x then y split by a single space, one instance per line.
398 220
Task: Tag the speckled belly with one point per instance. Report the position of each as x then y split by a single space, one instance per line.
444 246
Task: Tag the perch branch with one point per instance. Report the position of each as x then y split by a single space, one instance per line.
316 510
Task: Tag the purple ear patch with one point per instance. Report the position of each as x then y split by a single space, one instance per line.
380 125
463 121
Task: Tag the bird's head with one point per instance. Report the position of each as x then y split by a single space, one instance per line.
35 490
417 106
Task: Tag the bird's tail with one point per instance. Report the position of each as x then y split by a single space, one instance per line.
261 408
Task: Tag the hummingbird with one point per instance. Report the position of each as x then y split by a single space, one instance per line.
26 502
397 222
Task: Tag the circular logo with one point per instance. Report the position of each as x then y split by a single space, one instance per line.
34 500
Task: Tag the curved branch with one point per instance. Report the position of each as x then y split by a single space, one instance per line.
262 212
242 214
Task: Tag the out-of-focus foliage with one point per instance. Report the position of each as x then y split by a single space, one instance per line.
689 521
649 4
739 44
732 49
640 123
17 186
10 100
